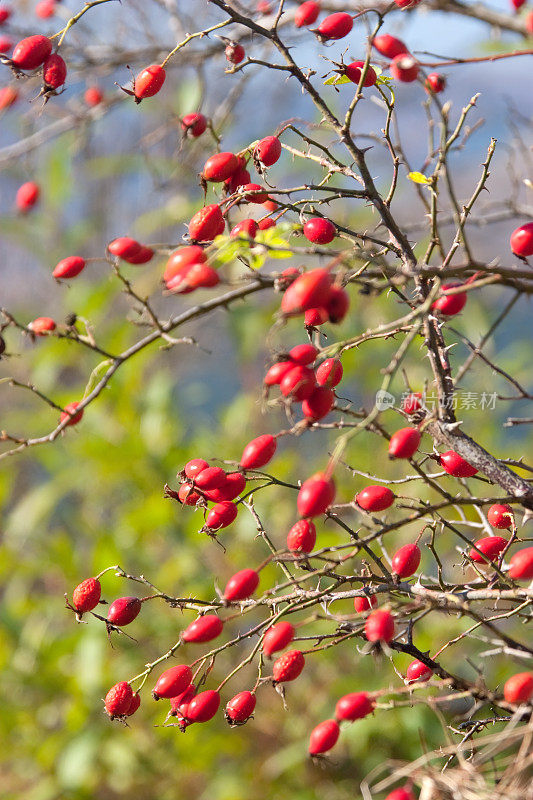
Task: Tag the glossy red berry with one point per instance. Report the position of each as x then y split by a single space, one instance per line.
233 485
203 706
379 626
302 536
219 167
404 68
337 304
8 96
315 317
123 611
124 247
42 326
30 53
521 565
522 238
172 682
501 516
45 9
403 793
27 196
248 227
118 700
265 224
149 81
451 304
221 515
435 83
194 124
362 604
54 71
242 585
210 478
187 495
206 224
277 372
389 46
519 688
68 414
298 383
335 26
412 403
316 495
418 671
180 703
258 452
277 637
354 706
288 666
268 150
303 354
86 595
93 96
353 72
452 463
203 629
69 267
199 276
240 708
329 373
490 546
143 256
254 193
308 291
404 443
194 467
181 259
306 13
319 404
375 498
406 560
234 53
319 230
324 737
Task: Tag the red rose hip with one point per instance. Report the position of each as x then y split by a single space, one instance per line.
86 595
288 666
203 629
258 452
123 611
404 443
354 706
519 688
521 565
379 626
455 465
406 560
302 536
240 708
490 546
203 706
241 585
118 700
375 498
149 81
172 682
417 671
277 637
316 495
324 737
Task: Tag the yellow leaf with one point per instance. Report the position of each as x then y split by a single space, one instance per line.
418 177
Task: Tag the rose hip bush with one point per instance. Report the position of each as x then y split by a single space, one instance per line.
359 522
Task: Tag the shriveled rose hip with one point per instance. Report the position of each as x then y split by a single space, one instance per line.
375 498
316 495
324 737
86 595
203 629
277 637
355 705
288 666
172 682
123 611
379 626
240 708
404 443
54 71
134 705
258 452
242 585
118 700
302 536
